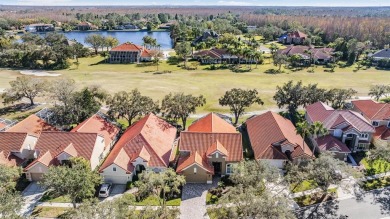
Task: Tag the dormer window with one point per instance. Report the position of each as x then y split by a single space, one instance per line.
364 135
114 169
195 170
375 123
216 155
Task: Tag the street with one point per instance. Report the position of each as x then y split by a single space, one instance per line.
371 205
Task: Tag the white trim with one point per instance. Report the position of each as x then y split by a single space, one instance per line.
209 181
193 165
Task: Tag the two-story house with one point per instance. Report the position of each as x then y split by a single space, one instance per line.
378 114
345 128
211 146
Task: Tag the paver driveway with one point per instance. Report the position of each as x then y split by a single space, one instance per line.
31 196
116 191
193 204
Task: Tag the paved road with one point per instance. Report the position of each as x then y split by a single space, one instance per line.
371 205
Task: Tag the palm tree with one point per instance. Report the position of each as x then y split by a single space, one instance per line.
303 129
317 129
258 56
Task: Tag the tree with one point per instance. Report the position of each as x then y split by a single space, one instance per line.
377 91
338 96
252 196
317 129
10 204
381 151
183 50
239 100
130 105
77 180
111 42
279 60
156 55
8 177
95 41
303 129
61 90
24 87
87 102
180 106
166 184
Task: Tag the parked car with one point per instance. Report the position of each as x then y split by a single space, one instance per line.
105 190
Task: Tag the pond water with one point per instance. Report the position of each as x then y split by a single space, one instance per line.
163 37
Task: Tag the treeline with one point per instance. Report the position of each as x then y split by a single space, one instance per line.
376 30
35 52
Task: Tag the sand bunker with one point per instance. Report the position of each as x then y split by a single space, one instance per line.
38 73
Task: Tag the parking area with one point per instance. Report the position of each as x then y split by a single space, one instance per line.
116 191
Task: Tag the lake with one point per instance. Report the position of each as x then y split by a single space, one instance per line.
163 37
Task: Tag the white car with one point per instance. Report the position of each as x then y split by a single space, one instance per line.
105 190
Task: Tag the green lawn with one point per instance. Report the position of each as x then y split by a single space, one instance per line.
211 83
376 166
49 212
154 201
50 197
304 186
376 183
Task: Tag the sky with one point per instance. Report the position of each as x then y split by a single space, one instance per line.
201 2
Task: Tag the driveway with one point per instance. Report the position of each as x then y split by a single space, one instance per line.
31 196
193 204
116 191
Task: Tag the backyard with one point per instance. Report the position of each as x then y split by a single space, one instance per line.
211 83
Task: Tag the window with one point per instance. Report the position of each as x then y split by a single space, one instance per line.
195 170
361 146
375 123
349 135
229 169
388 125
216 155
114 169
364 135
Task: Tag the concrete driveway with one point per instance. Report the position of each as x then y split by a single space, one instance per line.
31 195
116 191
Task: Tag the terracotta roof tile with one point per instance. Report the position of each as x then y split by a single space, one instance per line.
200 142
382 132
100 125
328 142
150 134
194 158
11 141
127 47
269 130
212 123
373 110
217 147
33 125
10 160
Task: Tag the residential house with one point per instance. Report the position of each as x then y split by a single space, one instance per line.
378 114
84 26
129 53
383 54
146 145
16 148
274 139
215 56
100 124
294 37
32 125
127 26
350 128
309 54
211 146
56 148
39 28
208 34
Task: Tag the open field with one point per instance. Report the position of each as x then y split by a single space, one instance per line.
212 84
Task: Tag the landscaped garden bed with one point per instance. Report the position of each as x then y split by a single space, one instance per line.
316 198
376 166
303 186
376 183
51 197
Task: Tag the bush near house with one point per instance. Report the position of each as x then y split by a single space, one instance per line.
375 167
376 183
316 198
304 186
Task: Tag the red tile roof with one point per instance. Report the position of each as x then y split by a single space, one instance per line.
212 123
98 124
10 160
269 132
194 158
332 118
33 125
2 125
201 142
150 135
11 142
382 132
217 147
129 47
372 109
51 144
328 142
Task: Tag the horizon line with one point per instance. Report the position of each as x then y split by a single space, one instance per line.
205 5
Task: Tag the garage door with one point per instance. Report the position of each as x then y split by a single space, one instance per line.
196 178
115 179
36 176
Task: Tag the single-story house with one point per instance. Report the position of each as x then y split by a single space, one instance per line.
16 148
55 148
146 145
348 126
32 125
39 28
381 55
208 34
378 114
274 139
99 123
211 146
84 26
129 53
294 37
317 55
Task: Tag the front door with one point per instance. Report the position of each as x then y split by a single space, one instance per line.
217 167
